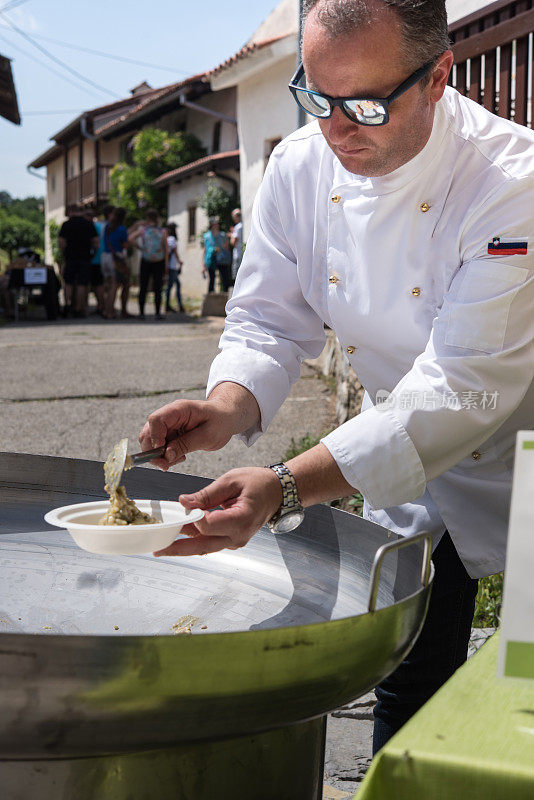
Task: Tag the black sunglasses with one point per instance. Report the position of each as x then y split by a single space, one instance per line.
362 110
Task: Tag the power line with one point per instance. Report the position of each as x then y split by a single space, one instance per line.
48 67
54 58
113 56
12 4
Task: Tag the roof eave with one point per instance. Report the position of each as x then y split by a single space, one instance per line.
204 164
45 158
132 119
246 66
9 110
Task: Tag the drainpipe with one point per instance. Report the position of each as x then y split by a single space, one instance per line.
84 130
204 110
35 174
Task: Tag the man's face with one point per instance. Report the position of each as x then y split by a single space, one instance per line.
369 63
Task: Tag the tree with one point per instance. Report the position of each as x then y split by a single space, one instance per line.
154 152
216 202
17 232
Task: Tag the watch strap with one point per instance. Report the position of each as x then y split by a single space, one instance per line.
290 497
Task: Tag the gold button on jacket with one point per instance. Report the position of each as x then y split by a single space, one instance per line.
416 291
476 456
335 198
424 207
333 279
351 349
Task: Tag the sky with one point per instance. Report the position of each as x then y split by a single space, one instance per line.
186 37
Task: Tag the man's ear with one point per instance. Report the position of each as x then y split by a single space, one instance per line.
440 75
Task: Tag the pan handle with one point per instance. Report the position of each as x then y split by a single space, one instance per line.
383 551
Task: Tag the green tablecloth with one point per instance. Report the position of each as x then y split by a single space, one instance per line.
474 740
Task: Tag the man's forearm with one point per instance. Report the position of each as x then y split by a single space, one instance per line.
318 477
238 403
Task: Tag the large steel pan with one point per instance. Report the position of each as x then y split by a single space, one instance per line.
89 664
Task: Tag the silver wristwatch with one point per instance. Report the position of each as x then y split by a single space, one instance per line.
290 514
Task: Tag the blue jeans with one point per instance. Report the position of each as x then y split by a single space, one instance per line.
174 279
440 649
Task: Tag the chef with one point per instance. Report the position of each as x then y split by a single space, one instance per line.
411 234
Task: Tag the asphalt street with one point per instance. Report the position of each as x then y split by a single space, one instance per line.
74 388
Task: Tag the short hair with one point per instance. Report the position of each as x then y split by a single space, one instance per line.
171 227
423 23
152 215
107 210
119 215
214 221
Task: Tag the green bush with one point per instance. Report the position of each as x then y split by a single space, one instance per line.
18 232
53 230
216 202
488 602
154 153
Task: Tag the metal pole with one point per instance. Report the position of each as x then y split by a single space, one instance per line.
301 117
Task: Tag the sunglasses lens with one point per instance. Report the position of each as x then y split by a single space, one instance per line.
366 112
314 104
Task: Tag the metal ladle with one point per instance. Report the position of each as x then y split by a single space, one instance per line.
119 460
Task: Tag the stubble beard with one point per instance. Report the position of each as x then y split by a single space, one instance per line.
380 160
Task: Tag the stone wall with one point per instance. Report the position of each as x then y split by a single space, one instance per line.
334 365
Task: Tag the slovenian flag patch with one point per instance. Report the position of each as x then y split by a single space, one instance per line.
507 247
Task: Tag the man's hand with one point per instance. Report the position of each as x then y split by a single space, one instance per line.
189 425
248 499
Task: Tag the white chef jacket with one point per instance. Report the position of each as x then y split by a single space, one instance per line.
426 277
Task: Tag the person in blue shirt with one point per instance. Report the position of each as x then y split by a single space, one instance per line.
97 279
217 255
113 262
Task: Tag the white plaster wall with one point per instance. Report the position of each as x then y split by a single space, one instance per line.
260 121
54 201
283 19
181 197
202 125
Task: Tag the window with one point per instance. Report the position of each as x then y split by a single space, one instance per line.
270 144
216 143
192 223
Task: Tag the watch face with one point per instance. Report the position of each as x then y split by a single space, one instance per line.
288 522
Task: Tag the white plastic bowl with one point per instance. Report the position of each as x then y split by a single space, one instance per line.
81 521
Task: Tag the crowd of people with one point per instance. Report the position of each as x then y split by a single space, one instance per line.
96 259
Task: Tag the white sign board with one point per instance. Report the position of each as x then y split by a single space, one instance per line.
516 656
34 275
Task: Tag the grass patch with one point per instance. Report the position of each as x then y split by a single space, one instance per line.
301 445
488 602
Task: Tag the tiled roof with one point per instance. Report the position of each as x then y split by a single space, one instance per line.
228 159
148 99
247 50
